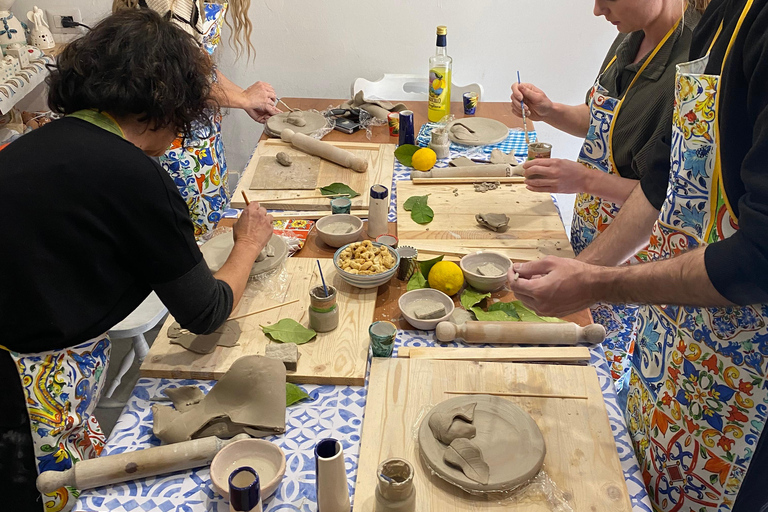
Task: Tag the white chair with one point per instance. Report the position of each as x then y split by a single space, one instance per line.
396 87
141 320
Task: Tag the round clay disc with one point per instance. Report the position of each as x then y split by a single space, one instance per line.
276 124
216 251
511 443
488 131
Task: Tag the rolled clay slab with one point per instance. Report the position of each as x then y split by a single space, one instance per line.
477 131
225 336
216 251
314 121
510 441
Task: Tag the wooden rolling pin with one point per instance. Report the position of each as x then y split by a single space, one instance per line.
122 467
469 171
324 150
523 333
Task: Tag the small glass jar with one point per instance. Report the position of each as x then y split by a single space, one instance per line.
323 310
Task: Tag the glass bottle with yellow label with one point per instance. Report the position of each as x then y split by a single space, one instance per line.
440 79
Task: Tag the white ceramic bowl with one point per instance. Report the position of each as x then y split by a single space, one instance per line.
266 458
372 281
425 293
335 240
470 262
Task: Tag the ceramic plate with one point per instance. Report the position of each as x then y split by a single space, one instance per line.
216 251
493 131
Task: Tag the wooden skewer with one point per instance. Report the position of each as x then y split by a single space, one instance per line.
186 331
245 197
285 215
462 181
533 395
301 198
444 253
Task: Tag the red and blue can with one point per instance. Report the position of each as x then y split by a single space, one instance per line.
470 103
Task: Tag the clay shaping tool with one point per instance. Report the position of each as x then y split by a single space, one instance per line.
112 469
245 198
286 106
525 121
523 333
324 150
187 331
325 288
320 196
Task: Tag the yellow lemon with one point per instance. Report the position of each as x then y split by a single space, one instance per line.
447 277
423 159
436 84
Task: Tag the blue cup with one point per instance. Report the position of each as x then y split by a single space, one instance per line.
406 128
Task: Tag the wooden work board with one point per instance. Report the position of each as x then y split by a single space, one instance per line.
581 456
535 229
381 163
338 357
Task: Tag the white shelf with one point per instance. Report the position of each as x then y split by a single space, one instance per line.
38 73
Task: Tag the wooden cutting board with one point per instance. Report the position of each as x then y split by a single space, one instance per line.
581 452
381 162
535 229
338 357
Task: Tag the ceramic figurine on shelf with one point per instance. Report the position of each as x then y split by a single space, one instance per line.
19 51
6 69
40 35
11 28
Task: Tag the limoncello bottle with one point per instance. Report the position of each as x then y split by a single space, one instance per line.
440 66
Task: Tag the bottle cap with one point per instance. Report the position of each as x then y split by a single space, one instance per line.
442 30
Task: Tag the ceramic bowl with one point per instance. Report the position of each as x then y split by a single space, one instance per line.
338 240
425 293
372 281
470 262
266 458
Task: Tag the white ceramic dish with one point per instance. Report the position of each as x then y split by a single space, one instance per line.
266 458
407 299
470 262
337 240
372 281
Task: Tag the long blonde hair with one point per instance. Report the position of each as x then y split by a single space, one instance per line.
237 20
699 5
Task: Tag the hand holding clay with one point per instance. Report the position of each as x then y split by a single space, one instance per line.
555 175
254 226
260 99
537 105
556 286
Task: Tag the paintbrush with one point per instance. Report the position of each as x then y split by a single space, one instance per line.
522 106
322 278
286 106
245 197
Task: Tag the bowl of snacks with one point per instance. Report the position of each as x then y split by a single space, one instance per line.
425 308
485 271
339 229
366 264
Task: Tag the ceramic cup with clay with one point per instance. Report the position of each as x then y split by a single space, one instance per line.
395 491
331 477
382 338
244 490
341 205
323 310
539 150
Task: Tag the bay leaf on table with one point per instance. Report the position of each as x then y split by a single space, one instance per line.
417 281
337 189
404 154
294 393
426 266
471 297
289 330
421 212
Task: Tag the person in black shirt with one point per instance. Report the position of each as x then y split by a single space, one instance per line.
697 395
101 226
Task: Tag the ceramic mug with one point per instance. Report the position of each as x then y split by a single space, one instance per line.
382 338
331 477
341 205
244 490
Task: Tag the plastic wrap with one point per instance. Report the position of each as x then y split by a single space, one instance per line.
538 490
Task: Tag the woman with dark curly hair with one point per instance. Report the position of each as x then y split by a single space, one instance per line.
104 225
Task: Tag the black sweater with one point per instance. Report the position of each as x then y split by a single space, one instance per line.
737 266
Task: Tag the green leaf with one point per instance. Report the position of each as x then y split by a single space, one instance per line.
294 393
426 266
422 214
492 316
526 315
413 201
338 188
471 297
506 307
417 282
404 154
288 330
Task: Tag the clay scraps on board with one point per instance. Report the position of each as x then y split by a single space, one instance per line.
493 221
377 108
284 159
486 186
225 336
249 398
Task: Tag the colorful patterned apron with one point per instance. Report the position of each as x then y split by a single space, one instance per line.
197 164
697 399
62 388
592 215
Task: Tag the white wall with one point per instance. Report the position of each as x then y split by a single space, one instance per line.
316 48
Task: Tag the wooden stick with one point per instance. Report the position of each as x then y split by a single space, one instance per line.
461 181
444 253
506 354
263 310
285 215
245 197
510 393
301 198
